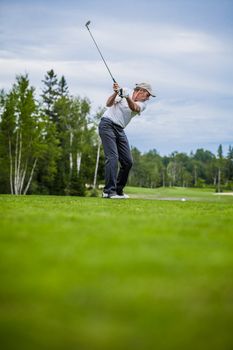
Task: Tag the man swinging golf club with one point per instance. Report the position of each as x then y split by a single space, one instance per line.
122 107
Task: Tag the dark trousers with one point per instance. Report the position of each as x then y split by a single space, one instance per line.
116 148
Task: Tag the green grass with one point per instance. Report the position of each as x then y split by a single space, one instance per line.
177 193
99 274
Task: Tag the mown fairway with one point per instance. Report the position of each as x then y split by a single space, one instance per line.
99 274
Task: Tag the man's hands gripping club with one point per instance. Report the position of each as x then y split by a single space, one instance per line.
122 92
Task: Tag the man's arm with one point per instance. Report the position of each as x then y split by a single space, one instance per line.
111 99
133 105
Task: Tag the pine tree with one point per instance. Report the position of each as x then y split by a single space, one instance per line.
63 90
55 95
76 185
50 94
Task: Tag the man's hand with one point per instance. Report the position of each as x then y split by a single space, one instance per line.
124 92
116 87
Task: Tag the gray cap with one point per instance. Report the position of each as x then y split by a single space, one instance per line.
147 87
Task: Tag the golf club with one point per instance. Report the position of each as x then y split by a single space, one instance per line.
87 25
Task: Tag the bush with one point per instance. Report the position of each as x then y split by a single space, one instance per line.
76 186
200 183
229 186
94 193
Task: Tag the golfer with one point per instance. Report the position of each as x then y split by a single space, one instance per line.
122 107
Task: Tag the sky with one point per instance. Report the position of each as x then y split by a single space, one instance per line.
183 48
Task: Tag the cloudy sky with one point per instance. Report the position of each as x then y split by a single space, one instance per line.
184 48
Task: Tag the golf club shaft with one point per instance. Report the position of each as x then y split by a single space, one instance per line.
100 53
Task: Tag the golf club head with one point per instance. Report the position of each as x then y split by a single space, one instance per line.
87 24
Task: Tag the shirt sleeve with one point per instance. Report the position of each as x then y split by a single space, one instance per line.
118 99
142 106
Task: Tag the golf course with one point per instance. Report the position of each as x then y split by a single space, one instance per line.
85 273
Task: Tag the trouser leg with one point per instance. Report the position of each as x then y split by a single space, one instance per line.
108 137
126 161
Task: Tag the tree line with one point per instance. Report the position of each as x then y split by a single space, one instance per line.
199 169
50 145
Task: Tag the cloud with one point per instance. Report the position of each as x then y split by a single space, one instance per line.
181 125
190 67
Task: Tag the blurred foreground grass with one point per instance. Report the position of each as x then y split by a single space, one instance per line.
91 273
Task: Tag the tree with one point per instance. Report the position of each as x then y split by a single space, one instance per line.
63 90
73 133
220 165
152 166
172 173
47 165
4 181
96 120
203 162
50 94
70 117
135 175
21 135
229 167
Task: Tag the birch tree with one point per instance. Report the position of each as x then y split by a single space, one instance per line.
21 135
220 166
73 133
96 121
229 165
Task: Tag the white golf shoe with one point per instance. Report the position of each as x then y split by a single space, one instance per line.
126 196
115 196
120 196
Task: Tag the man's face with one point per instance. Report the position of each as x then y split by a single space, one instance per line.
140 95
